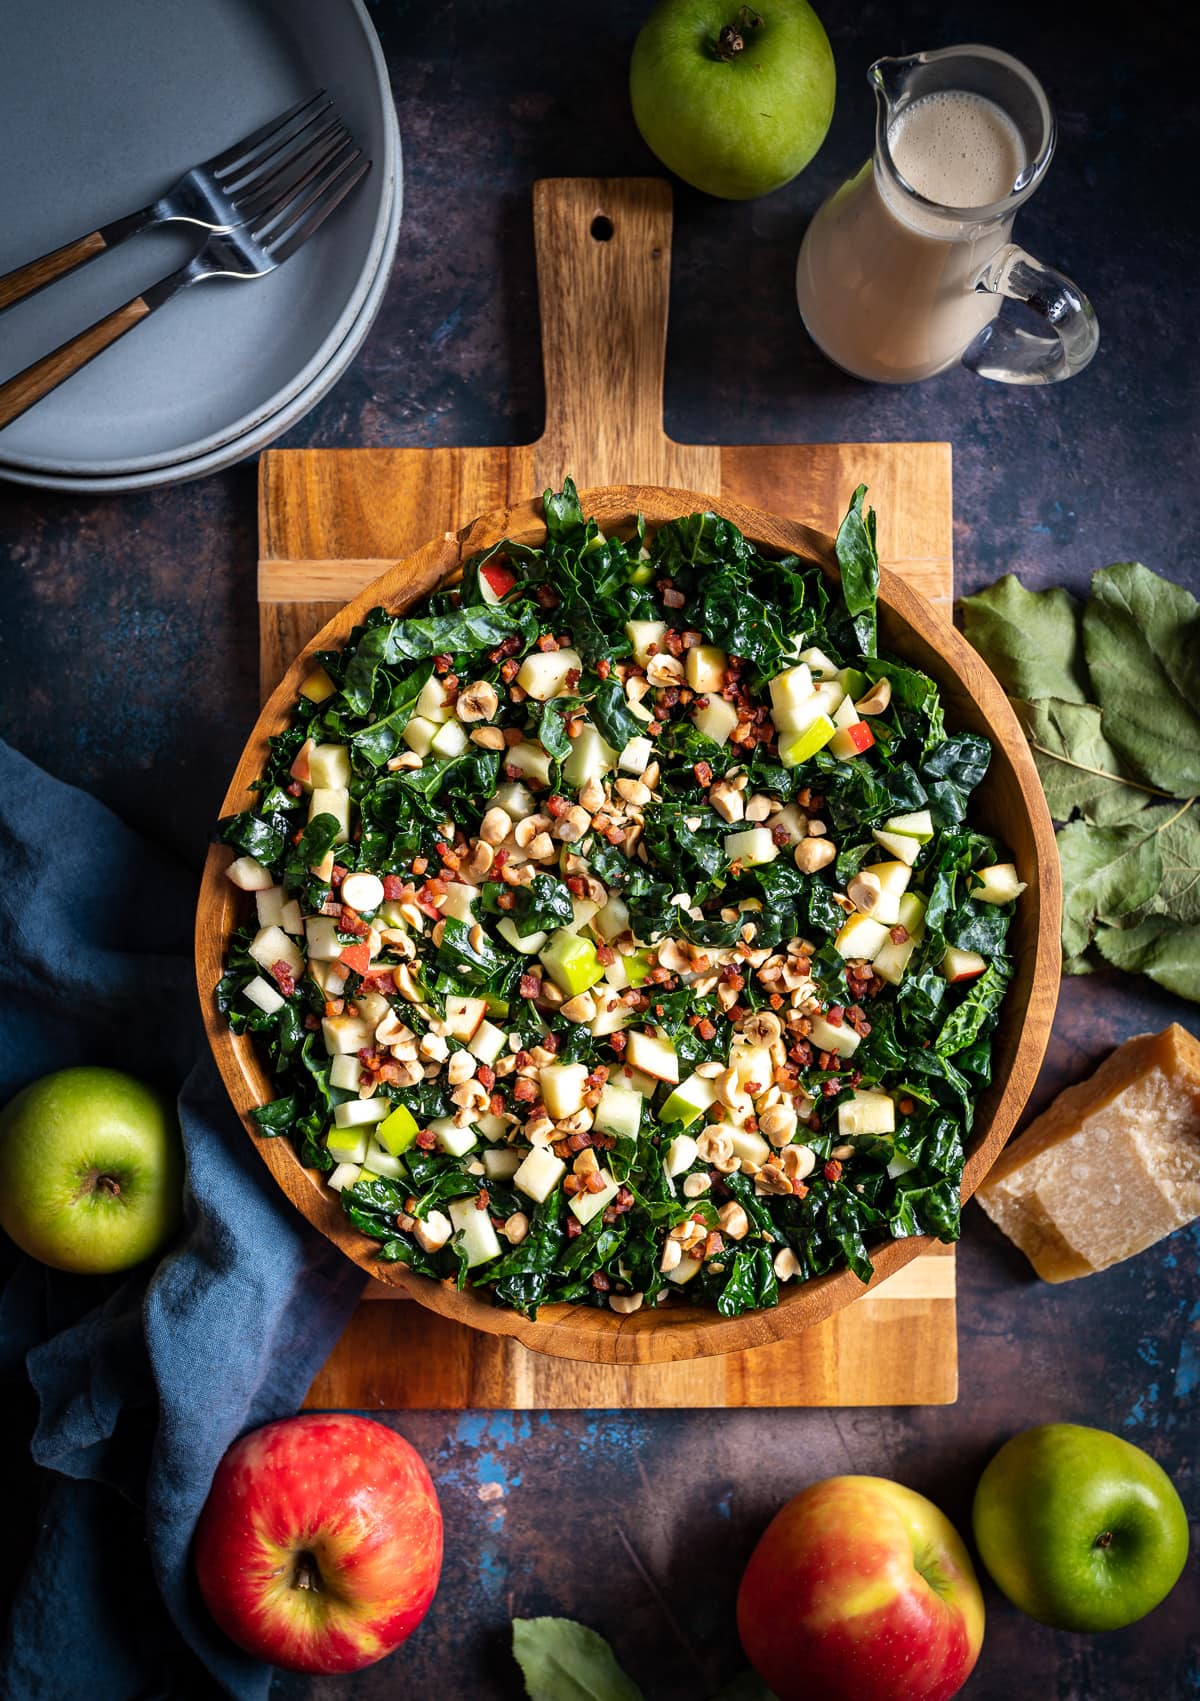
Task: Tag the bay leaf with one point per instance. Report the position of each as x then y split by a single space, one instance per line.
1106 871
1170 955
1029 639
1141 637
565 1661
1078 767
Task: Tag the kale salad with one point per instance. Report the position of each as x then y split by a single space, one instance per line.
615 930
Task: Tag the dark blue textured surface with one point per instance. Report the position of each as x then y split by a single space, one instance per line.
128 655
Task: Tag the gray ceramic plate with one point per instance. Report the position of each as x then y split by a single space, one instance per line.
105 102
262 434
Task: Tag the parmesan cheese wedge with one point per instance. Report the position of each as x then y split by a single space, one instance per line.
1111 1167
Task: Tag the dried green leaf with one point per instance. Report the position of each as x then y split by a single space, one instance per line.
1078 767
1178 895
1141 636
1169 955
1107 871
564 1661
1029 639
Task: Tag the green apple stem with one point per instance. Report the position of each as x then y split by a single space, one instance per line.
732 39
96 1181
1104 1539
306 1573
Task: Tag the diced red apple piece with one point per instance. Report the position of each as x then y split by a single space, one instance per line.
1001 884
962 965
495 581
851 741
300 769
652 1055
463 1015
356 957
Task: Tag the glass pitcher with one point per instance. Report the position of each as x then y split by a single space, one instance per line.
896 285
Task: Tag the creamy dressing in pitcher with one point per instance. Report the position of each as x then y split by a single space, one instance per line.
886 286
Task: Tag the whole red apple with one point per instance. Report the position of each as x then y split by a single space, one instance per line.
860 1589
320 1544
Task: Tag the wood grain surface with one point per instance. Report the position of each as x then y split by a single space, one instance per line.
22 391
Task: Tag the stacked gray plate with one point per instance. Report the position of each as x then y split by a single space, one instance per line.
106 102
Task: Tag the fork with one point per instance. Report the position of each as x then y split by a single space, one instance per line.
225 191
245 252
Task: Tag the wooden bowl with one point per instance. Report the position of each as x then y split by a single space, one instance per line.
1010 804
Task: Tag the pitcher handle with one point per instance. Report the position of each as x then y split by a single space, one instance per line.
1009 353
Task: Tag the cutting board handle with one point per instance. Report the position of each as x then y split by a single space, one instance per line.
604 266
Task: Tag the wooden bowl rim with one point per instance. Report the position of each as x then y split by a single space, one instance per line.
583 1332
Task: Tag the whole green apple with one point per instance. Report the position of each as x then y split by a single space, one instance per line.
91 1170
1081 1530
735 100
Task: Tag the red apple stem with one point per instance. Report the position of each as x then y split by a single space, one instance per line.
732 39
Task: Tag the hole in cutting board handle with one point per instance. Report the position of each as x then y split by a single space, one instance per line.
602 228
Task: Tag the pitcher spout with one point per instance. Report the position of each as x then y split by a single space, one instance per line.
890 80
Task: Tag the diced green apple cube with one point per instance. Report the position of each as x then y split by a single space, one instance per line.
590 758
262 993
544 673
792 820
329 767
345 1034
320 932
527 943
478 1236
539 1174
589 1205
1001 884
335 802
271 945
269 903
347 1145
752 847
688 1101
862 936
619 1111
683 1272
571 962
748 1146
647 637
636 756
639 1082
582 911
681 1154
891 960
918 825
381 1162
249 875
716 720
360 1113
487 1042
825 700
563 1086
531 762
908 850
791 688
398 1130
434 702
491 1127
459 902
292 920
345 1072
892 876
653 1055
342 1176
515 799
501 1163
451 1138
318 687
704 666
419 734
798 747
867 1113
819 664
613 919
912 916
450 740
845 1041
611 1015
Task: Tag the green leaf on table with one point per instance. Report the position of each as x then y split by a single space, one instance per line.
1170 955
1029 639
1078 767
1107 872
1141 636
564 1661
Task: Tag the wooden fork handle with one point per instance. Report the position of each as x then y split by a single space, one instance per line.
47 374
15 286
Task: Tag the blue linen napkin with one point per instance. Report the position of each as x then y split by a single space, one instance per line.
142 1381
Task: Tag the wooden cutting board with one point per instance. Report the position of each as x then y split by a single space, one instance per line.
331 520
